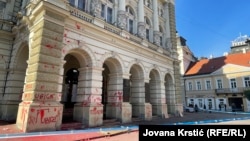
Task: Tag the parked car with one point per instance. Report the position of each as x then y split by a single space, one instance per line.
188 109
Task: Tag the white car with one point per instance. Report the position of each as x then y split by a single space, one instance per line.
188 109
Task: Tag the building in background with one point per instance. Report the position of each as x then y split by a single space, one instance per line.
186 57
240 44
210 82
87 61
219 83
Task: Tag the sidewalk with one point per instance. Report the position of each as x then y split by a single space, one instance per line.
11 132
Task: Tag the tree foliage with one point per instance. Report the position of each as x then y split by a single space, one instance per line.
247 94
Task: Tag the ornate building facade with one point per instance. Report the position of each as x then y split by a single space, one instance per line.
87 61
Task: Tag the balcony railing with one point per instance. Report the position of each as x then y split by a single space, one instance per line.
114 29
231 90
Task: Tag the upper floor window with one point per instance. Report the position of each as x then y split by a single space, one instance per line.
161 34
190 86
233 83
147 28
2 7
247 81
72 2
198 85
219 84
80 4
208 84
107 11
130 19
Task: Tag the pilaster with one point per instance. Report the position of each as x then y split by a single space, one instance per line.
40 109
89 108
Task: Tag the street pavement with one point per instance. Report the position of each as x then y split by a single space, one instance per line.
122 132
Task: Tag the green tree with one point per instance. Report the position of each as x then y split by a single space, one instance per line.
247 94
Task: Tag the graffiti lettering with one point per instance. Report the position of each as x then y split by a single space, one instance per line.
48 120
95 111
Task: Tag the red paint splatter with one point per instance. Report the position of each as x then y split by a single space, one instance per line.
32 110
42 87
49 46
78 26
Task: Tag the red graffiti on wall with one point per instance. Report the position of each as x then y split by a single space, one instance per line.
23 115
48 66
45 96
119 95
96 111
77 26
39 116
92 99
28 86
49 46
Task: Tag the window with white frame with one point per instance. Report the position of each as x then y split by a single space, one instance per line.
221 103
233 83
210 103
107 11
208 84
130 19
200 103
219 84
190 86
198 85
247 81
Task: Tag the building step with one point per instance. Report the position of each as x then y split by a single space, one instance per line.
110 122
72 126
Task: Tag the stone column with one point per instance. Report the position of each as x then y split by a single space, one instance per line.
116 108
156 23
158 99
141 23
88 108
122 18
40 109
167 26
139 107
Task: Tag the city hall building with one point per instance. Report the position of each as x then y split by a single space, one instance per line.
87 61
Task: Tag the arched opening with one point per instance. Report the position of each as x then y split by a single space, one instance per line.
71 74
105 83
17 79
111 89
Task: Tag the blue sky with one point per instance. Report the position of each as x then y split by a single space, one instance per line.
209 26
